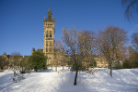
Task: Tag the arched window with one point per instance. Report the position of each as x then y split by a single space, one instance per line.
46 33
50 34
46 43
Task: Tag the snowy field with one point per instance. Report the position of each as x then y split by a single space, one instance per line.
125 80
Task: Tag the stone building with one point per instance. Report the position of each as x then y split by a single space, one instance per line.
48 38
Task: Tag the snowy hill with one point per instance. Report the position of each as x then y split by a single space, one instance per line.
125 80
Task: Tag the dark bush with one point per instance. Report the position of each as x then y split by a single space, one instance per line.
126 64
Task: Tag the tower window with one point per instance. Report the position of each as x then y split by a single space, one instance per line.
46 50
50 34
46 33
50 43
50 50
46 43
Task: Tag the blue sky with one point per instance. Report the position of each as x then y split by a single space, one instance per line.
21 21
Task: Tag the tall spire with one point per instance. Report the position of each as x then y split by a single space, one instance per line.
50 9
33 49
49 18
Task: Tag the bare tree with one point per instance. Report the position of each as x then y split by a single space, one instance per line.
89 46
16 57
109 42
78 44
59 54
71 41
132 6
67 56
25 65
135 41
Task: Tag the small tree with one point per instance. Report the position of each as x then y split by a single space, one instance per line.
133 58
38 60
3 62
126 64
93 64
25 66
15 60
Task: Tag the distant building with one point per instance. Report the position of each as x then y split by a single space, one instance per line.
48 39
10 59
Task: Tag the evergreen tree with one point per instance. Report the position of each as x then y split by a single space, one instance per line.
38 60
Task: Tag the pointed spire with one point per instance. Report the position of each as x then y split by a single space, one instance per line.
49 17
33 48
45 18
50 9
4 53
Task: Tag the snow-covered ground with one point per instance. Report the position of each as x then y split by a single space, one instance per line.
125 80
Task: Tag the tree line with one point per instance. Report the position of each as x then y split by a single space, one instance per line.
25 63
111 43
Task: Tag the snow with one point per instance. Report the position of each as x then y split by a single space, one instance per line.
123 80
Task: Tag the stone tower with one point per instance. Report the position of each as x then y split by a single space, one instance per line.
48 39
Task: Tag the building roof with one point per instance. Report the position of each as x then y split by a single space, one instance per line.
49 17
40 50
33 49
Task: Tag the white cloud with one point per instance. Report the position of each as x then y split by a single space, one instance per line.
135 27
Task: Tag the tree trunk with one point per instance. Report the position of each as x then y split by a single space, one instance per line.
36 69
14 71
22 71
56 68
110 70
75 80
22 68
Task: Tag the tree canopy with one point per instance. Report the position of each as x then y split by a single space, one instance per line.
38 60
111 43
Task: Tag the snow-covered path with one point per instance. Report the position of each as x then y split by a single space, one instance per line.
125 80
